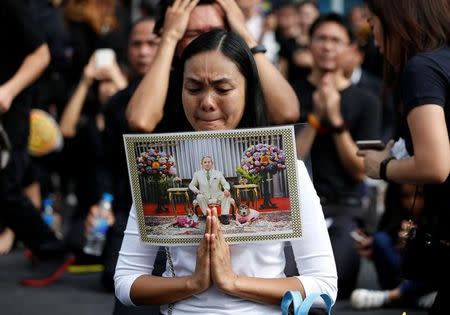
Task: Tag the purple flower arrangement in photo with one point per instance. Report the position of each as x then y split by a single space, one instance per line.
156 164
263 158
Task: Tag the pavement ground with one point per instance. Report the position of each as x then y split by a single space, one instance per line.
82 294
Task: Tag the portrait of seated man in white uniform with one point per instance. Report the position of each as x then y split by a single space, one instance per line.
211 187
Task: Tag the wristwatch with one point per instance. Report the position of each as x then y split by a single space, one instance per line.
258 49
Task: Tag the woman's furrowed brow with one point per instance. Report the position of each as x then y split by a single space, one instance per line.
214 81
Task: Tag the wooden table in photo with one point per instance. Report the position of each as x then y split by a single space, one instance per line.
181 191
251 189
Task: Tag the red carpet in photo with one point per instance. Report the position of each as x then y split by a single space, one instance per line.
149 208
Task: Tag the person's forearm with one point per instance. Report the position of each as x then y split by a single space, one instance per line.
264 290
303 58
282 104
120 80
146 107
413 172
283 67
147 290
225 184
346 148
304 141
30 69
431 161
71 114
193 187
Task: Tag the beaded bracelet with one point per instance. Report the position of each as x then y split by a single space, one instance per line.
316 124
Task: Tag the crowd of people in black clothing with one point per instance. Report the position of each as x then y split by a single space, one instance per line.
104 68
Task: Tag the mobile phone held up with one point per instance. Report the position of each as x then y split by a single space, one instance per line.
104 57
370 144
357 237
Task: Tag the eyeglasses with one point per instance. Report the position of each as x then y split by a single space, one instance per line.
321 40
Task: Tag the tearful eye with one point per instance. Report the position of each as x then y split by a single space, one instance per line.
223 90
193 90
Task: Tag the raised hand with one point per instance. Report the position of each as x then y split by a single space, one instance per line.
236 20
114 73
221 271
202 274
373 159
177 18
94 213
89 71
6 99
319 108
330 98
364 245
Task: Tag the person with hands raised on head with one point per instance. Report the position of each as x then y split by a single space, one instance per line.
221 91
157 97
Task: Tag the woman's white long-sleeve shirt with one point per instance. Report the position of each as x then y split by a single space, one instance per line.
313 256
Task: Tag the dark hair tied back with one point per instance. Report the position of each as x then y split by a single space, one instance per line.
232 46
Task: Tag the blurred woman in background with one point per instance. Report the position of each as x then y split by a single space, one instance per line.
414 39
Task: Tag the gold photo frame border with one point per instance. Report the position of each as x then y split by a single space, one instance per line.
289 147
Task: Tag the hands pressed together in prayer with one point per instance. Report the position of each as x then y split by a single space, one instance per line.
213 258
327 102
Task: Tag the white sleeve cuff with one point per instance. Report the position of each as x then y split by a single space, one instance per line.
311 285
123 289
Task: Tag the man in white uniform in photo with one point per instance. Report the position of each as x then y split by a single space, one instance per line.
210 187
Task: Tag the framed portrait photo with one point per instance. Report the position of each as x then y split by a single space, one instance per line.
248 175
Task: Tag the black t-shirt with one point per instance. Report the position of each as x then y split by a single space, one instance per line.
426 80
81 156
362 114
116 125
288 47
20 37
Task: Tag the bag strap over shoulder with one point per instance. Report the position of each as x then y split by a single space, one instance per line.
302 307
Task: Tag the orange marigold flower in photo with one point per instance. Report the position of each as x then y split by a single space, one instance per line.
265 160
